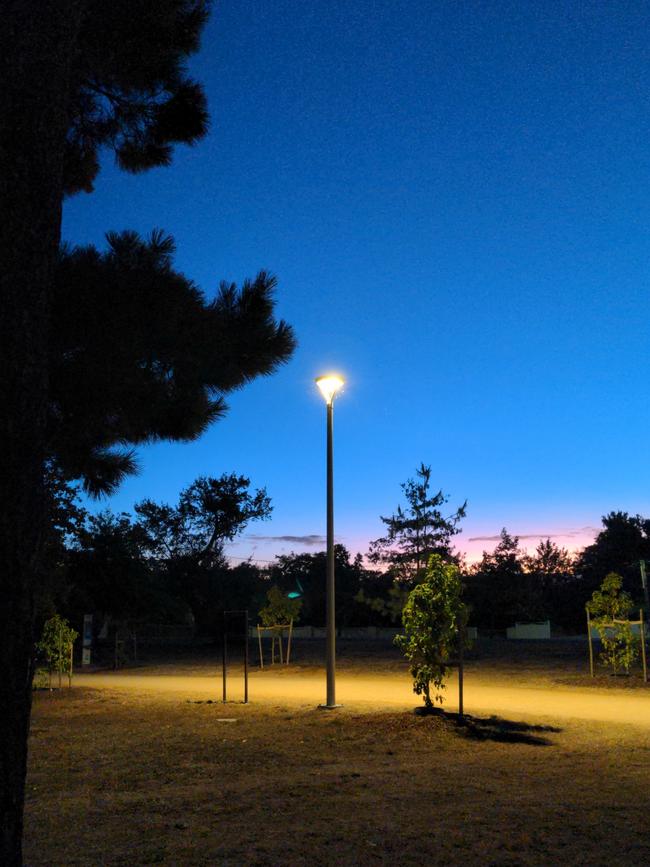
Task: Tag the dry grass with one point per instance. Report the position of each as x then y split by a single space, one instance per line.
121 778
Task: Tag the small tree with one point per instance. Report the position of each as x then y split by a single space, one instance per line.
279 609
611 603
432 617
56 643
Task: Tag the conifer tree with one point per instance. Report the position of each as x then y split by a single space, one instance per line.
79 77
138 353
417 531
129 90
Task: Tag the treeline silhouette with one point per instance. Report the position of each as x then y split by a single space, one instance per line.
167 564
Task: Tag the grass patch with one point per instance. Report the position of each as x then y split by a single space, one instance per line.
117 777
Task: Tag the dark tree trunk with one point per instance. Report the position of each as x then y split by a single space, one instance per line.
36 42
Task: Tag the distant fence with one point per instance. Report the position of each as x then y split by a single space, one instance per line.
539 630
180 633
351 632
177 633
635 628
358 633
163 633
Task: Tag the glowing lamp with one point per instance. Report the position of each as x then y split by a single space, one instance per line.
329 385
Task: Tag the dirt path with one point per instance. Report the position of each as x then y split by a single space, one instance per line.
380 691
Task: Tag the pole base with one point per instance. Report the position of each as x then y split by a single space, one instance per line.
329 706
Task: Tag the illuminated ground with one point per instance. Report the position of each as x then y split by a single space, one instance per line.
145 767
531 679
377 692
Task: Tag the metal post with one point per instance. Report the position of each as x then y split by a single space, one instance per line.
331 591
224 656
643 659
289 642
591 650
60 662
644 581
461 667
246 658
259 641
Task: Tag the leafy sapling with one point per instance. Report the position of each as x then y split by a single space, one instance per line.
279 610
56 644
610 608
433 618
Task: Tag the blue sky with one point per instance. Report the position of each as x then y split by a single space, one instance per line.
455 198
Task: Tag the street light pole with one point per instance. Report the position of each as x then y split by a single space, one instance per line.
331 587
329 385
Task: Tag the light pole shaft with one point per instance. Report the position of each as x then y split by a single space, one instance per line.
331 592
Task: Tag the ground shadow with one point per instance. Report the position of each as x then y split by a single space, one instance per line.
493 728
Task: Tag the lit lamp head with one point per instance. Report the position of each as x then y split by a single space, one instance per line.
329 385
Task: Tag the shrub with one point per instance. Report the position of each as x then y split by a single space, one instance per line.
56 644
279 609
432 618
608 604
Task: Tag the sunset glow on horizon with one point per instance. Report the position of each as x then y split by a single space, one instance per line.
264 548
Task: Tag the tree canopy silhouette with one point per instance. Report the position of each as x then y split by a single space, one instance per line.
129 88
417 531
187 540
623 541
210 512
139 354
498 584
78 77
